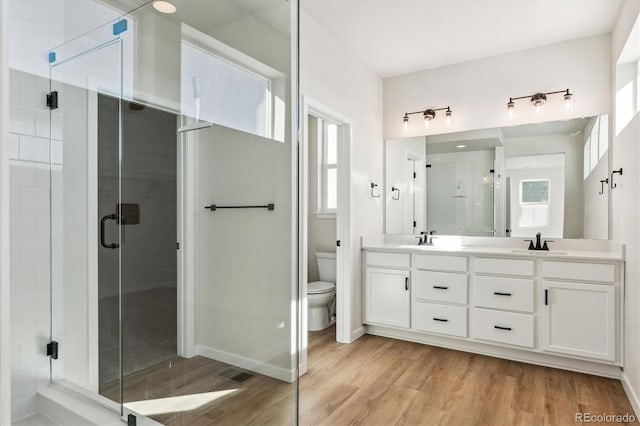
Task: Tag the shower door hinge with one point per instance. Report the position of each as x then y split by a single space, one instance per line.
131 420
338 243
492 171
414 175
52 100
52 349
177 246
428 166
415 224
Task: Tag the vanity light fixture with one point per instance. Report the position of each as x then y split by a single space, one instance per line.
428 115
539 99
164 7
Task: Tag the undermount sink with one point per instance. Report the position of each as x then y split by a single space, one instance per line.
542 252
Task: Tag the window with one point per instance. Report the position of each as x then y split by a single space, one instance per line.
587 150
327 168
218 91
534 203
603 138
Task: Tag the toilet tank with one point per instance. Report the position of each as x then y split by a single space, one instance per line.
327 266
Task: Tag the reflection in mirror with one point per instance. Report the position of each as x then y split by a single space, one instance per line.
512 181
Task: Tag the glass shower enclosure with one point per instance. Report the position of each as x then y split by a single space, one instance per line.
173 221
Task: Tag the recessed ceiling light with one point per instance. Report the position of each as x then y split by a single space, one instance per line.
461 146
164 6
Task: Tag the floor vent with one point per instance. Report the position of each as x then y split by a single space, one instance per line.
236 375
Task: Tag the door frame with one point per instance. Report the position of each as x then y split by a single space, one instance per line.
344 261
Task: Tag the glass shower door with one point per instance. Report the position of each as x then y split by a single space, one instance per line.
86 217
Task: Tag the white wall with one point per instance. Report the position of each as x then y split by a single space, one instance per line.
330 74
625 201
242 257
478 91
322 230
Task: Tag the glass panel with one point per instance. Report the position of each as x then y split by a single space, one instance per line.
460 192
85 256
160 131
534 191
208 331
332 144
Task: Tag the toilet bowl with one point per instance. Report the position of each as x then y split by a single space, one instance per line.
321 295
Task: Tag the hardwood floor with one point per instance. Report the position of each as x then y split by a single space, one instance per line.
192 392
380 381
374 381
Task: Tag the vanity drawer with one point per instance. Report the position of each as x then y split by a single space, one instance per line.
511 294
602 272
504 327
441 263
440 287
436 318
394 260
503 266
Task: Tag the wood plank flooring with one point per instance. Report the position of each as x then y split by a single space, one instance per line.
377 381
380 381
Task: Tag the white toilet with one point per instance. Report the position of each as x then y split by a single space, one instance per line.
321 295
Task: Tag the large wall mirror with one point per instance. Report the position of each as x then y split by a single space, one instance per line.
548 177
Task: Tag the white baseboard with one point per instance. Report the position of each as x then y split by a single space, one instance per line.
358 333
250 364
631 394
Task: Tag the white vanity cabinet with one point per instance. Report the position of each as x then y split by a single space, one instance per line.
564 312
439 294
503 301
387 289
580 318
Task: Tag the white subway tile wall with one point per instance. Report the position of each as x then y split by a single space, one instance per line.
30 181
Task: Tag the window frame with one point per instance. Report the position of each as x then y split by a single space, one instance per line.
323 167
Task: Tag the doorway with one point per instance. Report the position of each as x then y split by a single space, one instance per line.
325 221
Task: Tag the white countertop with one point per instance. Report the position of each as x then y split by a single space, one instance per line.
509 247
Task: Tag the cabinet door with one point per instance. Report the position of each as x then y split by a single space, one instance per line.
387 297
580 319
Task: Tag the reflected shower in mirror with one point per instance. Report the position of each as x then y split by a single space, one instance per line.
515 181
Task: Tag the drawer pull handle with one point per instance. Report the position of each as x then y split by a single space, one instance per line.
406 283
546 296
441 319
499 293
502 328
441 287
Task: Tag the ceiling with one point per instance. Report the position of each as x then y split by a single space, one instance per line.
395 37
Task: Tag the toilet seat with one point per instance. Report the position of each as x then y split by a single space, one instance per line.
320 287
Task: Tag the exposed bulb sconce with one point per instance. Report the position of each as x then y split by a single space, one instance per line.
428 115
539 99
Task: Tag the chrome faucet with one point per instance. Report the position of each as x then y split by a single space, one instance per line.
538 245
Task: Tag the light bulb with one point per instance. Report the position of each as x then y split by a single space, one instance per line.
427 123
568 101
511 108
447 115
538 108
405 121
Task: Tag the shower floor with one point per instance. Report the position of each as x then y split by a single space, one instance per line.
194 391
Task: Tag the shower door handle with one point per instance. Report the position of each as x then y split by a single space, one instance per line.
103 221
